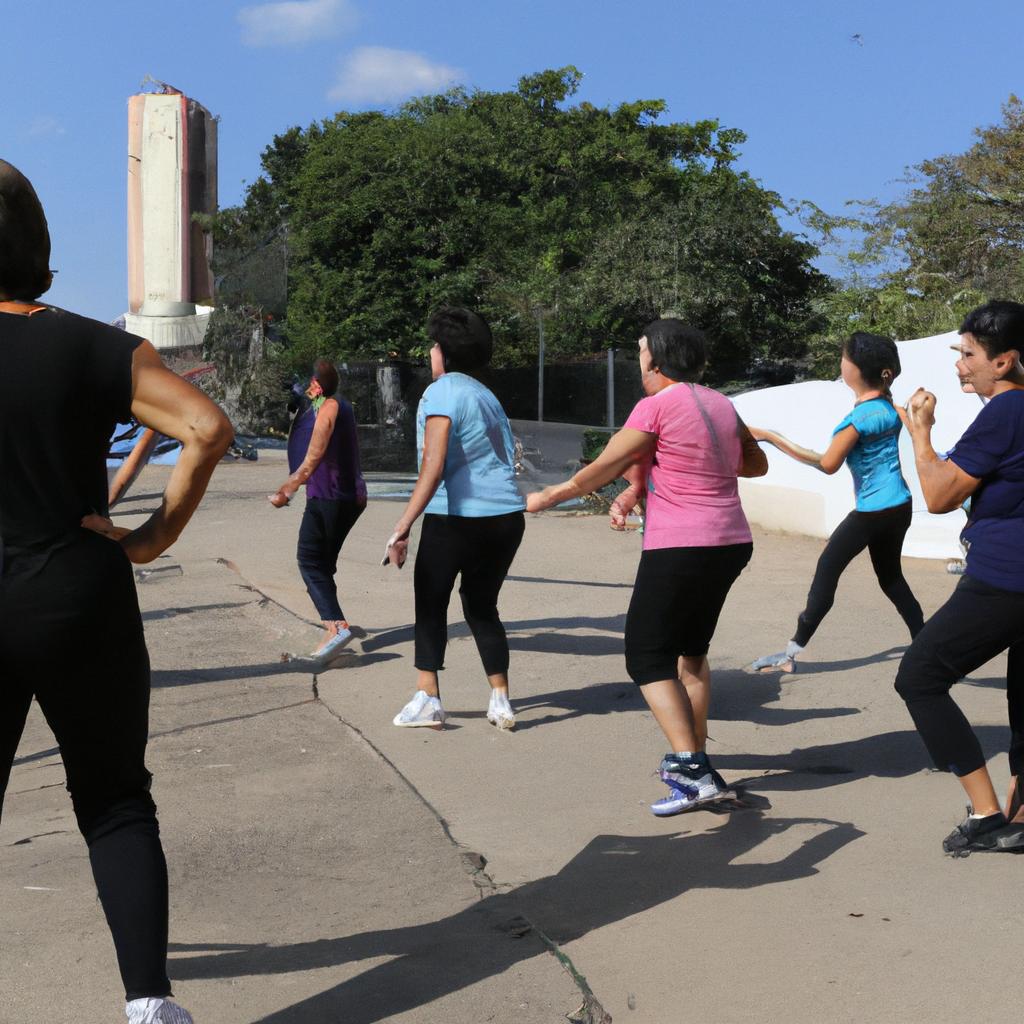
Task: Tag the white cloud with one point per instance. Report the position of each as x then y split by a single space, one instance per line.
292 22
376 74
46 127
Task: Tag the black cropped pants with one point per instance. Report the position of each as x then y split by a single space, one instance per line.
481 550
71 637
976 623
882 534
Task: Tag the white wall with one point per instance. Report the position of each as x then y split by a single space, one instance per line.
800 499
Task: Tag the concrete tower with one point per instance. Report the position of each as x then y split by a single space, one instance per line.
172 174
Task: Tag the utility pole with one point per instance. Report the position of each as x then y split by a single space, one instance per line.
611 388
540 363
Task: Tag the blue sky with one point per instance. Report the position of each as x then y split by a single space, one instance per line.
829 117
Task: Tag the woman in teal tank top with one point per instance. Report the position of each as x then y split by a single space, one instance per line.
867 440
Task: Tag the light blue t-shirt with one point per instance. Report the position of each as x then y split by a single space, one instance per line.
479 469
875 460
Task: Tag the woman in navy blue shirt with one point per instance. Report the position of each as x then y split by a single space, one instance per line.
867 440
985 614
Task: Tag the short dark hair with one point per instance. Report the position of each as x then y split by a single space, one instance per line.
998 327
326 374
465 339
24 238
679 351
873 354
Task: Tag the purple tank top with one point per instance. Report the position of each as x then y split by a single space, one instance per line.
339 477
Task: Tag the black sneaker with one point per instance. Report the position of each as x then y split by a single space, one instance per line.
974 834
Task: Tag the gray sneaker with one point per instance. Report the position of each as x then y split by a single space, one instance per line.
423 711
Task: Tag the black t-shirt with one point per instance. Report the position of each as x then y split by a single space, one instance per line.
65 381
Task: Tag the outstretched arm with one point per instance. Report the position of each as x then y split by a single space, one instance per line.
626 448
828 461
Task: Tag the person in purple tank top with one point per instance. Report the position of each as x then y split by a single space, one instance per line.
323 454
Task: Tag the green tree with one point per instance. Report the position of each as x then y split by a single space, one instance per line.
954 239
519 204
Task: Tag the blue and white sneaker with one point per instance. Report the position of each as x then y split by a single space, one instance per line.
690 785
333 646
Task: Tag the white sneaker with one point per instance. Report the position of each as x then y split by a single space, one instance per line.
499 711
333 646
422 711
156 1011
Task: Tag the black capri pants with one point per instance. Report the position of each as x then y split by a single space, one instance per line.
882 534
481 549
677 598
71 636
976 623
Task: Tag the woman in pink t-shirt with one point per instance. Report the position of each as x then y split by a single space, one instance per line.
682 448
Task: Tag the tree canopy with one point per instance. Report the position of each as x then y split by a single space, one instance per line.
954 239
524 206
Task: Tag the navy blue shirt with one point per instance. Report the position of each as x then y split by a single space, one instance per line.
992 449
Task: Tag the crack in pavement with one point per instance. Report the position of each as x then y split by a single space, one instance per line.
590 1011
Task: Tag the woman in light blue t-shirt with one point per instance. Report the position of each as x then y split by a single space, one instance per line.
867 440
473 521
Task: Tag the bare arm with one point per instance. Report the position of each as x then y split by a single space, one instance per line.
624 503
132 465
944 484
626 448
323 428
753 461
435 451
828 461
170 405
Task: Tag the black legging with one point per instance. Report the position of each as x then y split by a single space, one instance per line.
482 550
973 626
882 534
71 636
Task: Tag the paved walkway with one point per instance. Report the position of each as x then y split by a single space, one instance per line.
313 876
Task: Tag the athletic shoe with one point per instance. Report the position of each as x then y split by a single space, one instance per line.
333 646
690 785
499 711
975 834
422 711
781 662
156 1011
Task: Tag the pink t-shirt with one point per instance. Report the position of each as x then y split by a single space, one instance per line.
693 499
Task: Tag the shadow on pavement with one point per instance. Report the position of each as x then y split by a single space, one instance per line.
296 666
612 878
889 755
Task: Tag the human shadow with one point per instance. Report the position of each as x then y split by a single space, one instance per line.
734 698
545 635
612 878
172 613
166 678
805 666
569 583
887 755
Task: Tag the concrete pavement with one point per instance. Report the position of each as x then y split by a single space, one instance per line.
311 883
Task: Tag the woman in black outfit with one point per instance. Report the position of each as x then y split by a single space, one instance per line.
66 580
